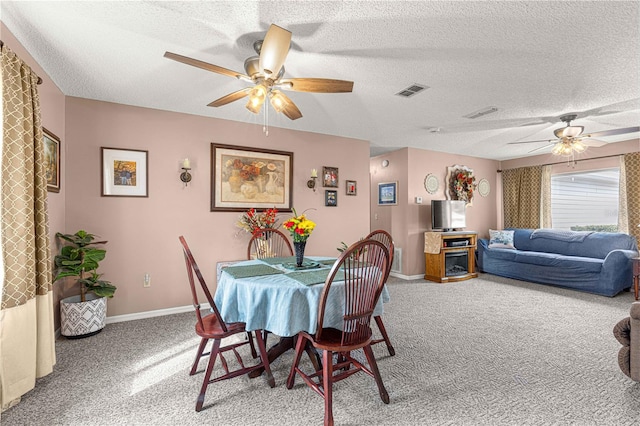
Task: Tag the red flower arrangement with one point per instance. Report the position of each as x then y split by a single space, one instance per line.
253 221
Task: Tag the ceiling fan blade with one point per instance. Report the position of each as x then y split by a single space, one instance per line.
613 132
274 50
592 142
317 85
540 148
289 109
205 65
542 140
231 97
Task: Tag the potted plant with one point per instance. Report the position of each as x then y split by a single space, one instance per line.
85 314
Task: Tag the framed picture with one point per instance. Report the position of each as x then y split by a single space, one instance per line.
352 187
331 198
125 172
244 178
330 177
388 193
52 160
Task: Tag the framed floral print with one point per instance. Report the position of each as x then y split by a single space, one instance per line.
125 172
52 160
244 178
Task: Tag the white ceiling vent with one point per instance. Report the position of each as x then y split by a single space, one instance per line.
412 90
481 112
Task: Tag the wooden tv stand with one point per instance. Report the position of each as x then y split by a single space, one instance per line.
450 256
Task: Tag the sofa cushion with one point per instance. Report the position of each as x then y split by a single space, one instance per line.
501 239
594 244
503 254
573 264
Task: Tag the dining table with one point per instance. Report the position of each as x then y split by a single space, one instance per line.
275 295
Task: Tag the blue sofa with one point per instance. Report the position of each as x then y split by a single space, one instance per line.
594 262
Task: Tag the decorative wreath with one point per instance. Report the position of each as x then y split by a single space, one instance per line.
463 183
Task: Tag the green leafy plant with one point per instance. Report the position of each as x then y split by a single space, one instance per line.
356 254
80 258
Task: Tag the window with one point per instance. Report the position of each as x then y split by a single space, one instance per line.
585 201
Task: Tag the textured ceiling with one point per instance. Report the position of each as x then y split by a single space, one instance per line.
534 61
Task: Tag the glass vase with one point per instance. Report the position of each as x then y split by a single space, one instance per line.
299 249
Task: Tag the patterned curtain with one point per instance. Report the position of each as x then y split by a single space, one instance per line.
546 197
27 344
623 214
632 171
522 192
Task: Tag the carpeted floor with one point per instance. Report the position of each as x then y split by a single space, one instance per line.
489 351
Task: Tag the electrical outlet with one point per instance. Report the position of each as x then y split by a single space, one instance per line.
147 280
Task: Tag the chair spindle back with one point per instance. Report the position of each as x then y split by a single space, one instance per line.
192 268
364 265
385 238
267 243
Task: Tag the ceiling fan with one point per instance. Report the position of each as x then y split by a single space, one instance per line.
265 72
570 139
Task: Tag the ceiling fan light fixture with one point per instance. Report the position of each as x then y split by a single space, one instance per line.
257 97
277 101
572 131
578 146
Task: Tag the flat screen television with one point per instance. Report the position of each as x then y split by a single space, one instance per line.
447 215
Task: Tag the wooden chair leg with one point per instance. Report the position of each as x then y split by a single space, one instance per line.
327 385
207 376
300 344
383 331
376 373
251 345
194 368
265 358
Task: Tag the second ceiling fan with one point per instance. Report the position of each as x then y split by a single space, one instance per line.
570 139
266 72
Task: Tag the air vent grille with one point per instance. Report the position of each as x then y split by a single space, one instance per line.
482 112
411 90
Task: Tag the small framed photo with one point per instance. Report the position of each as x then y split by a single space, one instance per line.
352 188
125 172
331 198
388 194
330 177
52 160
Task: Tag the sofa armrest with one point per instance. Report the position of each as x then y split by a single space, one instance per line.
617 268
634 347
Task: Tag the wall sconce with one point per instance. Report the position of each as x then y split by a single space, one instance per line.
311 183
185 176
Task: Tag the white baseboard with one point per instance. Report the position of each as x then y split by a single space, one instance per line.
406 277
151 314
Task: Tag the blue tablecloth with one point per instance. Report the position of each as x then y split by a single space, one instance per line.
280 303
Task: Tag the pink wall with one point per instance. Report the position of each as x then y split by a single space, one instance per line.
143 232
53 116
408 221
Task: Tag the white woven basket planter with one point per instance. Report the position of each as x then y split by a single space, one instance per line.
82 319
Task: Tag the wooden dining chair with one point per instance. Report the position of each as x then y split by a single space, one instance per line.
385 238
362 267
213 327
265 243
268 242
